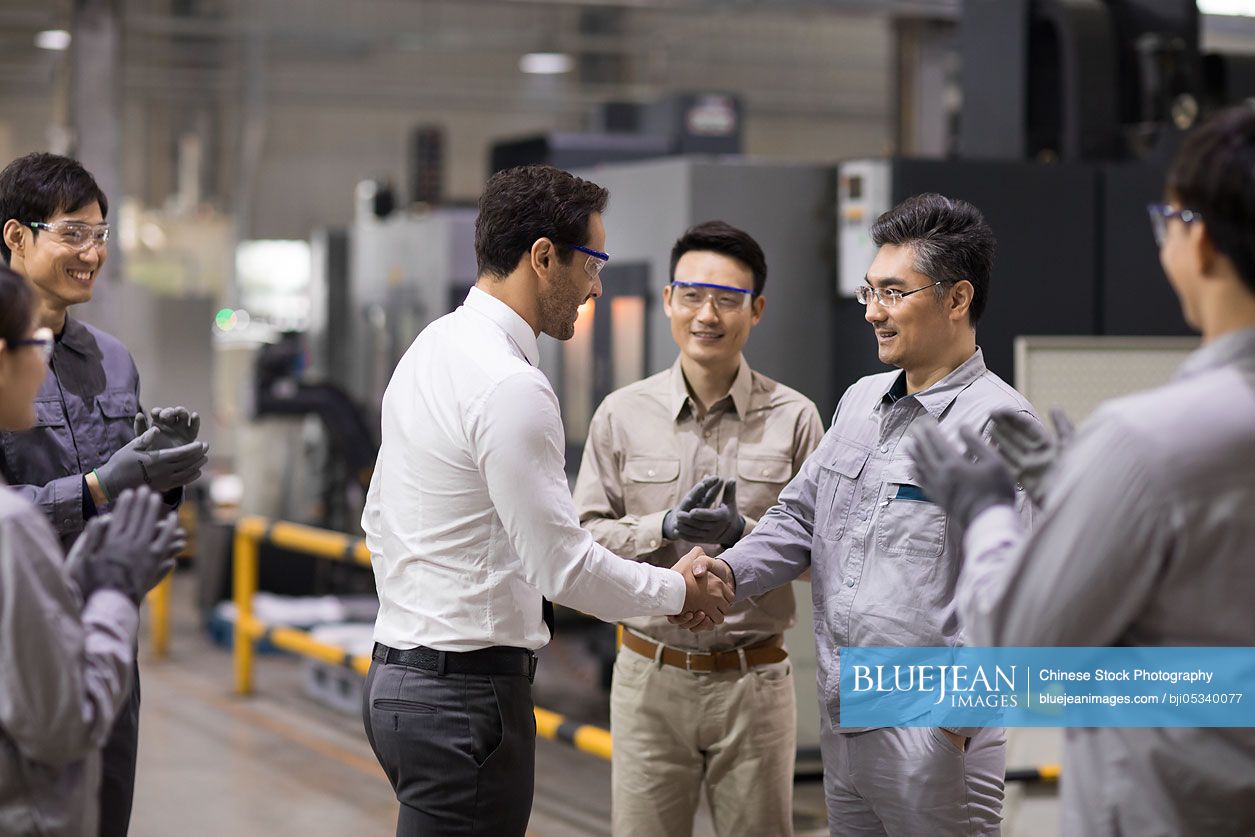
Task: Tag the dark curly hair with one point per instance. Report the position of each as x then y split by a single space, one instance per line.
524 204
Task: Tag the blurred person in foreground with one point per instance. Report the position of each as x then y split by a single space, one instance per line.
67 628
1148 531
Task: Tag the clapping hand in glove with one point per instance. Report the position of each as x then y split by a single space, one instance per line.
1029 448
721 525
964 483
149 460
176 426
129 550
699 496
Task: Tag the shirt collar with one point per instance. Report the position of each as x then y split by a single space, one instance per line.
508 320
742 389
75 336
938 397
1222 351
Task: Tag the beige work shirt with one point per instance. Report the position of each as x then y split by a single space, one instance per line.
646 448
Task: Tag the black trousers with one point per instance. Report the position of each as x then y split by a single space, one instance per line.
459 749
117 767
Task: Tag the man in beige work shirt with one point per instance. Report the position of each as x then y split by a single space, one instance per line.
695 455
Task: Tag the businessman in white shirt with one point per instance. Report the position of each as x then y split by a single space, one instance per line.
470 522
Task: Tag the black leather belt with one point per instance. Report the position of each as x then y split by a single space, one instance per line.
500 659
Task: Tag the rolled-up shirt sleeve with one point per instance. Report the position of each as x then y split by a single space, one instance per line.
519 445
66 672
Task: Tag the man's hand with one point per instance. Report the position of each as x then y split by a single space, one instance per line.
707 596
721 525
1029 448
142 463
699 496
963 483
176 426
703 566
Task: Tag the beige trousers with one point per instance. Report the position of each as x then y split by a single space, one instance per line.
675 731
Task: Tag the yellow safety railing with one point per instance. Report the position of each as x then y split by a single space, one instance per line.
251 533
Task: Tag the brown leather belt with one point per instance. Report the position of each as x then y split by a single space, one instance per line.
762 653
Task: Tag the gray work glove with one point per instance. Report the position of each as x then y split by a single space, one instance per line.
723 524
176 425
141 462
1029 448
129 550
964 483
699 496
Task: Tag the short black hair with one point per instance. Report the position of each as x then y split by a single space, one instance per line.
951 239
17 306
38 186
726 240
527 203
1214 175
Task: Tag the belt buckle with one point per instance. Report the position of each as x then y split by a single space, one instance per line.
531 667
688 661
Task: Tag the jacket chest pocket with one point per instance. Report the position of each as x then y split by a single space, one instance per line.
650 484
835 492
759 481
909 523
117 412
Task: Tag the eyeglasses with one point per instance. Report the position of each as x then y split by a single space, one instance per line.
43 339
693 296
887 297
1162 213
78 236
596 259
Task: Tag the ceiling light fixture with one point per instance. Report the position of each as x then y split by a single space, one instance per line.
546 63
54 39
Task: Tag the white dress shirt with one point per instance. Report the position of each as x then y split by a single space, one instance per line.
469 519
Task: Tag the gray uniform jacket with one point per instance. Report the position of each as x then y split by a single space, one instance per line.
66 671
885 559
1148 538
84 412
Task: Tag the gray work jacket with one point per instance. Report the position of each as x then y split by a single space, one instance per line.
84 413
885 560
1147 538
66 671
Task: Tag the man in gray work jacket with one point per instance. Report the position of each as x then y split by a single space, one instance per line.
884 559
1148 532
89 442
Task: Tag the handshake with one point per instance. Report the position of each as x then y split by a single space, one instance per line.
709 589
